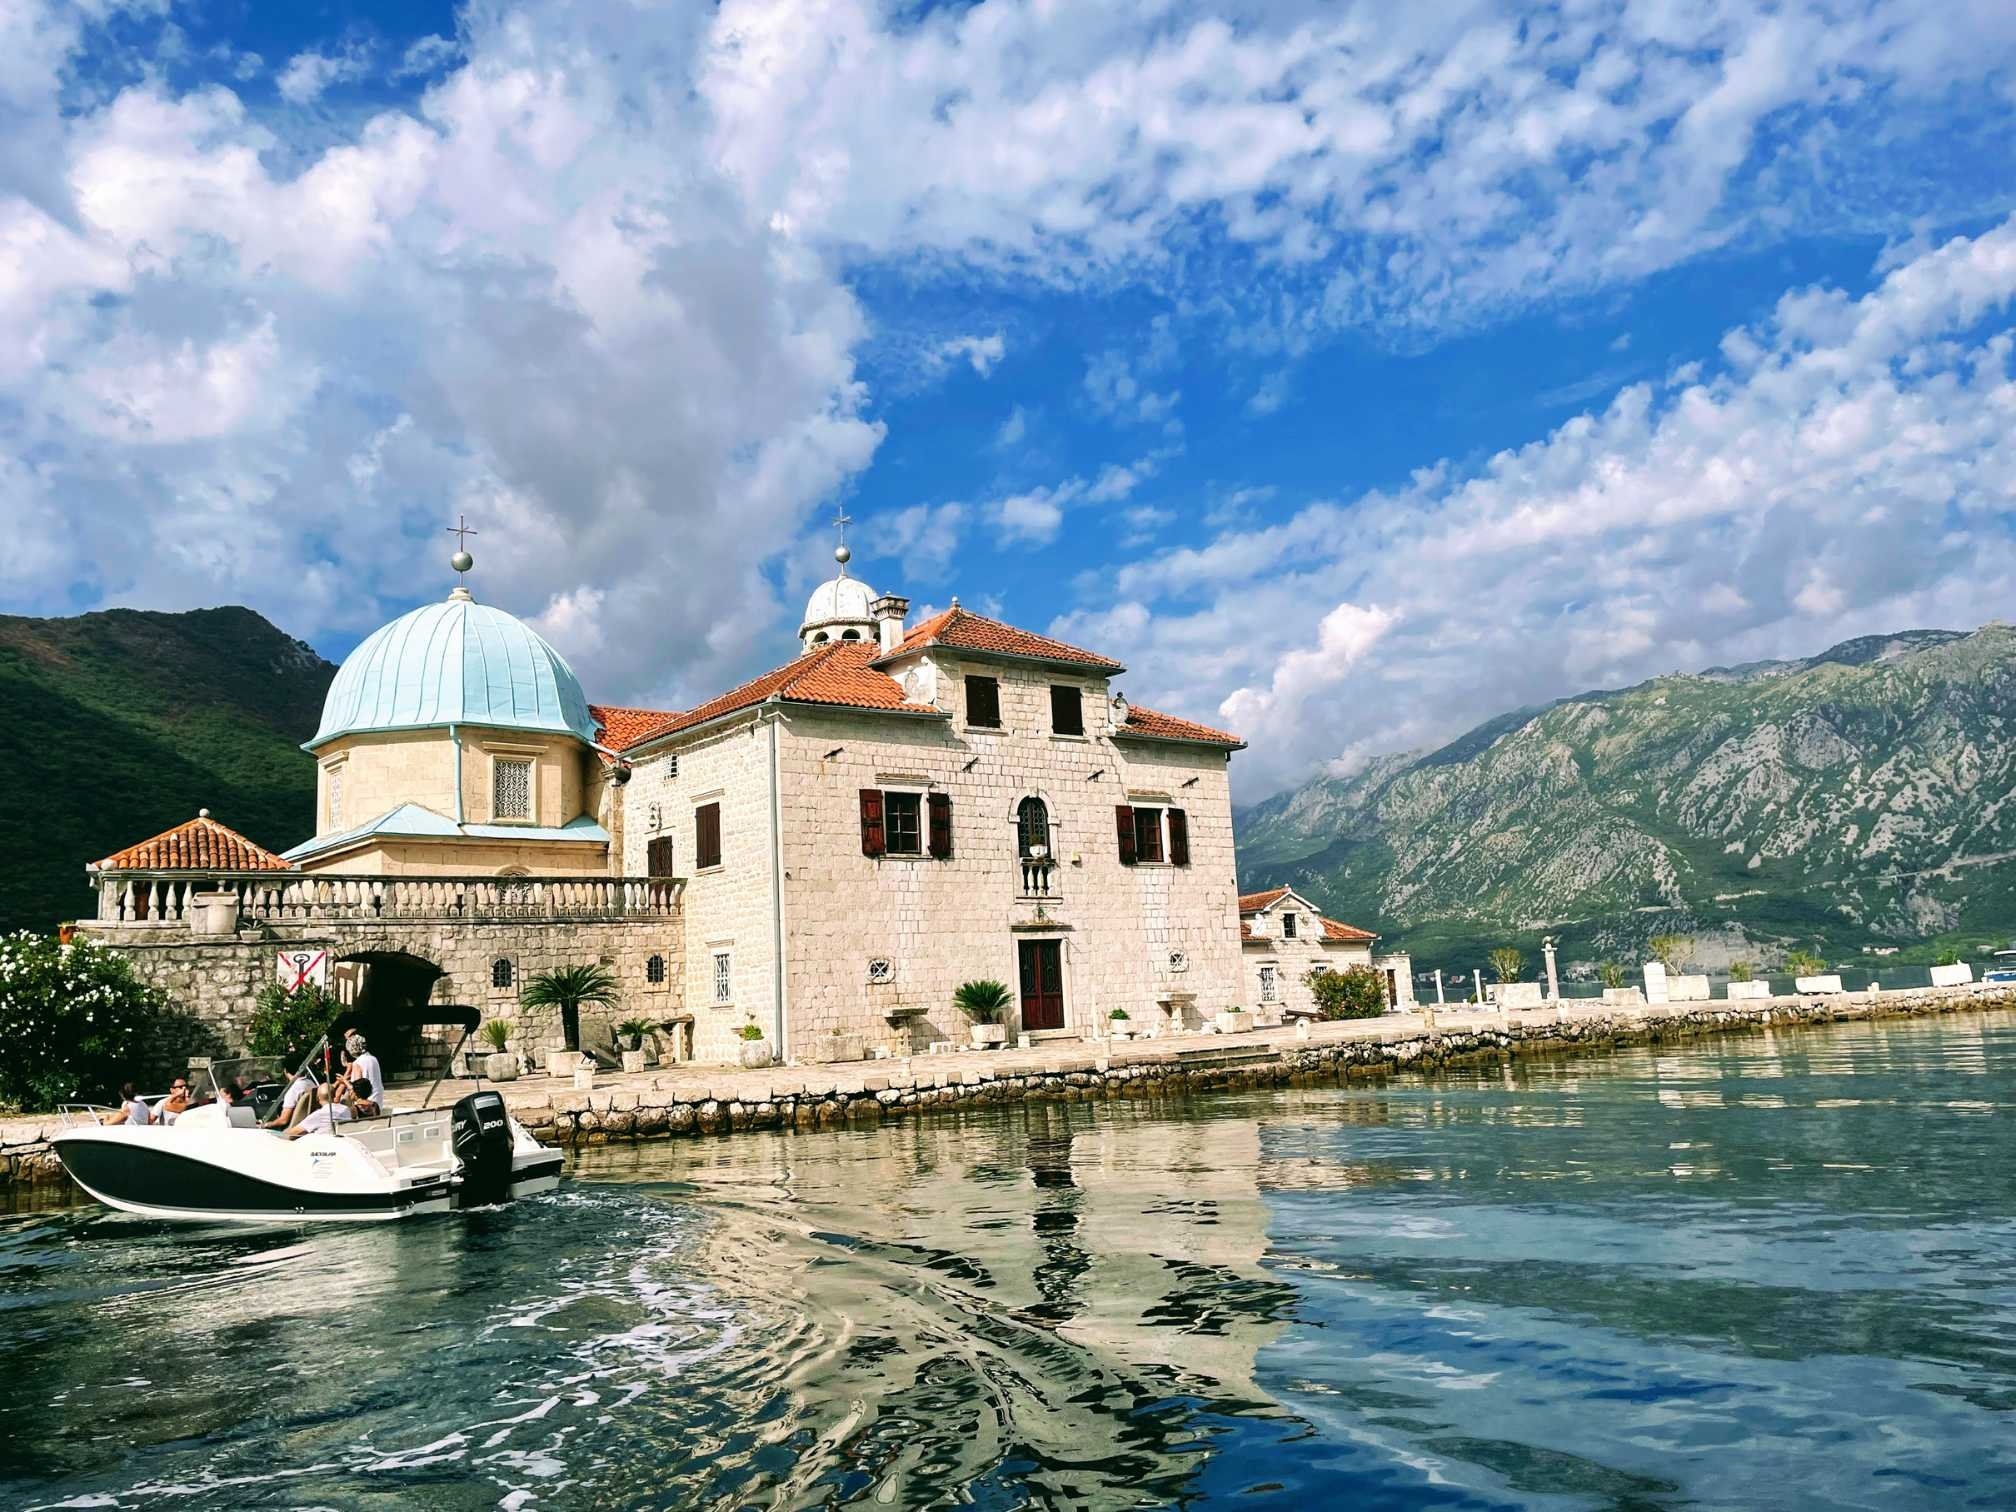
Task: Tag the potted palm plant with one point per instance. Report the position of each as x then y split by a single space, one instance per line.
568 990
500 1064
630 1035
755 1054
985 1003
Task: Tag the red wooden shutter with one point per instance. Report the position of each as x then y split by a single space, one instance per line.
658 856
874 839
1179 838
706 836
1123 819
941 826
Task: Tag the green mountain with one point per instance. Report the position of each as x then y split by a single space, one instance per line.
1855 800
114 726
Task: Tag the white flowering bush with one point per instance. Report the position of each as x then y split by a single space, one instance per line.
289 1024
75 1022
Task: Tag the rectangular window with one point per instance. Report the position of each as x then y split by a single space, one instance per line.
1269 986
1147 834
724 984
669 768
1067 710
1287 926
658 856
706 836
510 789
983 703
903 816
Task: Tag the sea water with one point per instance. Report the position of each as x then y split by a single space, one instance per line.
1772 1270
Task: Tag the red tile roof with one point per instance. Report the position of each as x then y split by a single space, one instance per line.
836 674
617 727
1150 725
200 845
1335 931
962 630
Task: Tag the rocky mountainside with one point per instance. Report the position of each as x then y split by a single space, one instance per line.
114 726
1858 798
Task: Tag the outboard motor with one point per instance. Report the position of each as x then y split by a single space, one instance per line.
480 1131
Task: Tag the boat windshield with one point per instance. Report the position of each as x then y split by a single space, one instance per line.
265 1076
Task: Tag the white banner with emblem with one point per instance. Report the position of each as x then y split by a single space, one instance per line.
301 966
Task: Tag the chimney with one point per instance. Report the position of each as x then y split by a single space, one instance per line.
889 612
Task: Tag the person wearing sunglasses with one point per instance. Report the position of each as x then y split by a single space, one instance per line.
176 1103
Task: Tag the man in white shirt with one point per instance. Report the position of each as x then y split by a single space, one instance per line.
328 1112
364 1065
300 1087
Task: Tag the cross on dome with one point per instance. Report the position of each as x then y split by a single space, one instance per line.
461 561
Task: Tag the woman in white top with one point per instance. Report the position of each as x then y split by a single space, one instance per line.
131 1108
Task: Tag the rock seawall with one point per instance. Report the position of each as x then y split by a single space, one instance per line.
695 1102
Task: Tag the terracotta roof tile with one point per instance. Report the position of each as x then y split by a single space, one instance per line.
962 630
837 674
617 727
1151 725
200 845
1335 931
1254 902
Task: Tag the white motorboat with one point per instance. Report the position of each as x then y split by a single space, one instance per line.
216 1162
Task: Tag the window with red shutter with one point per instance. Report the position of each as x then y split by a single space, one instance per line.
707 836
1123 823
1179 838
658 856
874 840
941 826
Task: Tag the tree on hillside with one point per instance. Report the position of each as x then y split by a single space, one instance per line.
1509 964
1804 963
1671 950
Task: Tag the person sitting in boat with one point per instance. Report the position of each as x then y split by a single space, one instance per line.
301 1086
131 1109
176 1103
362 1097
330 1110
363 1064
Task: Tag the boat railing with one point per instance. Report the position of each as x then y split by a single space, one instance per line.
76 1115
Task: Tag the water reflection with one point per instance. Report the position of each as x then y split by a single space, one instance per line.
1769 1270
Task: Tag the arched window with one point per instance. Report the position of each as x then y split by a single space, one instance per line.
1032 826
850 635
654 970
819 639
502 973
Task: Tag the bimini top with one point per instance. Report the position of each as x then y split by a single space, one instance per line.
458 662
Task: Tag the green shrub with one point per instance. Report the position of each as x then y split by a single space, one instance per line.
1804 963
288 1024
1508 963
751 1032
984 1002
1353 993
1947 957
1611 974
1671 950
1739 971
75 1022
634 1030
495 1032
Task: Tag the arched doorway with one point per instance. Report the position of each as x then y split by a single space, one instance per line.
386 1009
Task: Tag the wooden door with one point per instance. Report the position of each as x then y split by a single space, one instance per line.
1042 984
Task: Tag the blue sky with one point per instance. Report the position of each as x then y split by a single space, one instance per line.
1352 371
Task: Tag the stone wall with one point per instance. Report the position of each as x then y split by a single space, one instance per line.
217 979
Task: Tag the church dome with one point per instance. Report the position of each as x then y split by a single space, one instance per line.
836 607
458 662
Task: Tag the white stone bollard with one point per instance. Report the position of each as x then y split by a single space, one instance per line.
1655 983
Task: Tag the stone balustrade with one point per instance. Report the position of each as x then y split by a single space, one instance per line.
219 902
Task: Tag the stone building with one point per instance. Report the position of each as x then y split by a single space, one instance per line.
1283 938
824 853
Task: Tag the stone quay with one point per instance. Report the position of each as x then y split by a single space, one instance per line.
695 1102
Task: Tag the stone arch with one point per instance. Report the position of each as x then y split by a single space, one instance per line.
396 986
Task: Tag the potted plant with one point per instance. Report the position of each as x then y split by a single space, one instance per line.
755 1054
631 1034
1234 1020
568 990
500 1064
1122 1025
986 1003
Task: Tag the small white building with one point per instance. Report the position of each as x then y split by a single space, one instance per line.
1283 938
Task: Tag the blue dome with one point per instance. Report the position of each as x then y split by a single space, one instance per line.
459 662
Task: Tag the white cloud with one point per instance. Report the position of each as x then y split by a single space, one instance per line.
1850 468
1411 166
308 75
981 353
1271 394
1013 429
